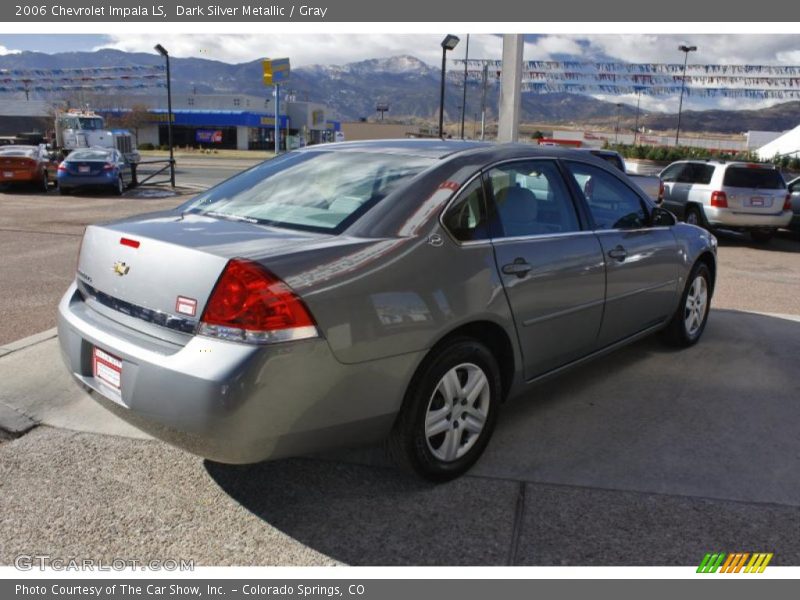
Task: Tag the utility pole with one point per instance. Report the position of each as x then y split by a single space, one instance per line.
685 49
510 88
485 83
464 99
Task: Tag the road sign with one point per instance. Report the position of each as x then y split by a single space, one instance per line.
276 70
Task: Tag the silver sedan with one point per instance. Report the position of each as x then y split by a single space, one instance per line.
348 293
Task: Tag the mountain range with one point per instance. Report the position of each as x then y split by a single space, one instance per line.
411 88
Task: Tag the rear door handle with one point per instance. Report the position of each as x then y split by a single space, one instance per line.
619 253
519 267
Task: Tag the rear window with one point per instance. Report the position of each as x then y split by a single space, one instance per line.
89 155
17 151
317 191
746 177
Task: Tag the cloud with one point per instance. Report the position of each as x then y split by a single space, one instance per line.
323 49
4 51
310 49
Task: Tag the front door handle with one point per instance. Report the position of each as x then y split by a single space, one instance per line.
519 267
618 253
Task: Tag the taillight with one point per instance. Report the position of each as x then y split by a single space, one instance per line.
108 167
250 304
660 191
787 204
719 199
62 167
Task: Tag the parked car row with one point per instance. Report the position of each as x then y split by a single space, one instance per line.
86 168
742 196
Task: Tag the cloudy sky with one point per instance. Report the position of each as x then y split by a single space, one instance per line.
341 48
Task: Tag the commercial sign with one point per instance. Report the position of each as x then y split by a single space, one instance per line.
208 136
276 70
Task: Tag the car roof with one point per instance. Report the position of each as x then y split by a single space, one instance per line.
726 163
440 149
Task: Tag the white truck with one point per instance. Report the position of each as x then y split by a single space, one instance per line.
83 128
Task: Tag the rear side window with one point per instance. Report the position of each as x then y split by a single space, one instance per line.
696 173
466 218
748 177
530 198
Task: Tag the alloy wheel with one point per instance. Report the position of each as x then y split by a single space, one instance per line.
695 309
457 412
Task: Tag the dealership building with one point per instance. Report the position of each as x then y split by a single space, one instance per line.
231 121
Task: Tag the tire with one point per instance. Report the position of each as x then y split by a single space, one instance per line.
436 388
761 236
63 191
44 184
683 331
119 188
693 216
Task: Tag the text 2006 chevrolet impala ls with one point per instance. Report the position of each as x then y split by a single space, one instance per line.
352 292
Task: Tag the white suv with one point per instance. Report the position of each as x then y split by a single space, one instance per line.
731 195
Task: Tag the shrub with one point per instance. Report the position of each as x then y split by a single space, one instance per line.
147 146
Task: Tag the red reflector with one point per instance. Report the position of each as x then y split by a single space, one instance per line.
719 199
129 242
249 297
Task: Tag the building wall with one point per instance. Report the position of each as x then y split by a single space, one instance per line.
376 131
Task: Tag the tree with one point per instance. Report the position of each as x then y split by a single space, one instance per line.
134 119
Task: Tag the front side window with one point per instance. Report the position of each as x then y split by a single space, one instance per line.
317 191
466 218
530 198
612 203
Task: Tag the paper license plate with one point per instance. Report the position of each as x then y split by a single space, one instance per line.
107 368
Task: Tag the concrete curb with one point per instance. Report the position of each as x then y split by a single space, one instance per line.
14 422
31 340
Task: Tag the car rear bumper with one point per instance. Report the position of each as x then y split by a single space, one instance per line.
20 177
231 402
727 217
71 181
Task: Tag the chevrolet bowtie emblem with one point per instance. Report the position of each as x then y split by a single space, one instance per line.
120 268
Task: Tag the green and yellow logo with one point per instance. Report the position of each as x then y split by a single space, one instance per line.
735 562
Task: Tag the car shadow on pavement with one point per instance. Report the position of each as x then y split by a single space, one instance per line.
647 423
784 240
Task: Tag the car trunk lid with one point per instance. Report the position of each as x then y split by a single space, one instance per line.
163 268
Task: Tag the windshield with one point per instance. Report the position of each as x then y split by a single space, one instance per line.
319 191
91 123
747 177
89 155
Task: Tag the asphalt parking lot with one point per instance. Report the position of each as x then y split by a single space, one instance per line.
645 457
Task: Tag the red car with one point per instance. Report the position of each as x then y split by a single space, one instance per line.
27 164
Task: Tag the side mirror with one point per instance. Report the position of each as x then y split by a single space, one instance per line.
661 217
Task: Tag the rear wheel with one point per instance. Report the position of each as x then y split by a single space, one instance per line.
449 411
44 183
690 319
694 217
762 236
119 188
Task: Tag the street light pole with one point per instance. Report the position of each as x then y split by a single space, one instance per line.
163 52
464 99
616 127
636 127
448 43
685 49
